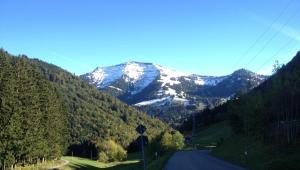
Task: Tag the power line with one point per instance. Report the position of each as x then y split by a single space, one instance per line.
273 36
262 34
278 51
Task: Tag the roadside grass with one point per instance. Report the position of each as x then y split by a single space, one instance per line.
233 150
76 163
230 147
259 156
45 165
133 163
160 163
211 136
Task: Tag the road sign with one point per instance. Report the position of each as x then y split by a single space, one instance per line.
141 129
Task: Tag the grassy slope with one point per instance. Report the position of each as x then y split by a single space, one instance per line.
260 156
211 135
233 150
45 165
133 163
77 163
160 163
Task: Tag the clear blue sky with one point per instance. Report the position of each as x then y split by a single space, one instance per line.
196 36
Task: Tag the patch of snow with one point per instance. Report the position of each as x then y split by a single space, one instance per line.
160 92
182 93
103 77
207 80
170 92
115 88
181 100
199 82
143 78
169 76
187 79
151 102
162 101
133 71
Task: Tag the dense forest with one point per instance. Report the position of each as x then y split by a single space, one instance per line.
32 117
45 110
271 111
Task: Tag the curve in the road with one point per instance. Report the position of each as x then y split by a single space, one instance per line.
198 160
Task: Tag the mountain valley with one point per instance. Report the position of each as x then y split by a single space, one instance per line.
169 94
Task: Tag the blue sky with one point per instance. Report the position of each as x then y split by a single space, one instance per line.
195 36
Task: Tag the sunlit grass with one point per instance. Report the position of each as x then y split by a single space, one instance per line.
83 163
41 166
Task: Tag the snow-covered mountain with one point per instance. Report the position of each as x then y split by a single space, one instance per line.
158 90
140 75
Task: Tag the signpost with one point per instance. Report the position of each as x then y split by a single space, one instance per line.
141 129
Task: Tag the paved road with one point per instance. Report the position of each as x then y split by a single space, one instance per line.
198 160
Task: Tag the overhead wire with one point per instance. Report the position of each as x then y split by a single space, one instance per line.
277 52
272 37
262 34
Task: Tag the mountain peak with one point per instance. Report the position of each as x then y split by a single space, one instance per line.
128 63
243 71
136 62
138 73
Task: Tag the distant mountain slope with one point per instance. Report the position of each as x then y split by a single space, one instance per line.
158 90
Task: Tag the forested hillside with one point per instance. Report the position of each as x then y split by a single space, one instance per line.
32 115
265 122
271 111
44 109
93 114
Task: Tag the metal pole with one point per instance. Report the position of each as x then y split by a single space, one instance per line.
144 160
194 125
193 129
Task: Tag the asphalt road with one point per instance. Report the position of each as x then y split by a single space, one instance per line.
198 160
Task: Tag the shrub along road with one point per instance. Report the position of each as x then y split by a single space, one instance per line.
195 160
